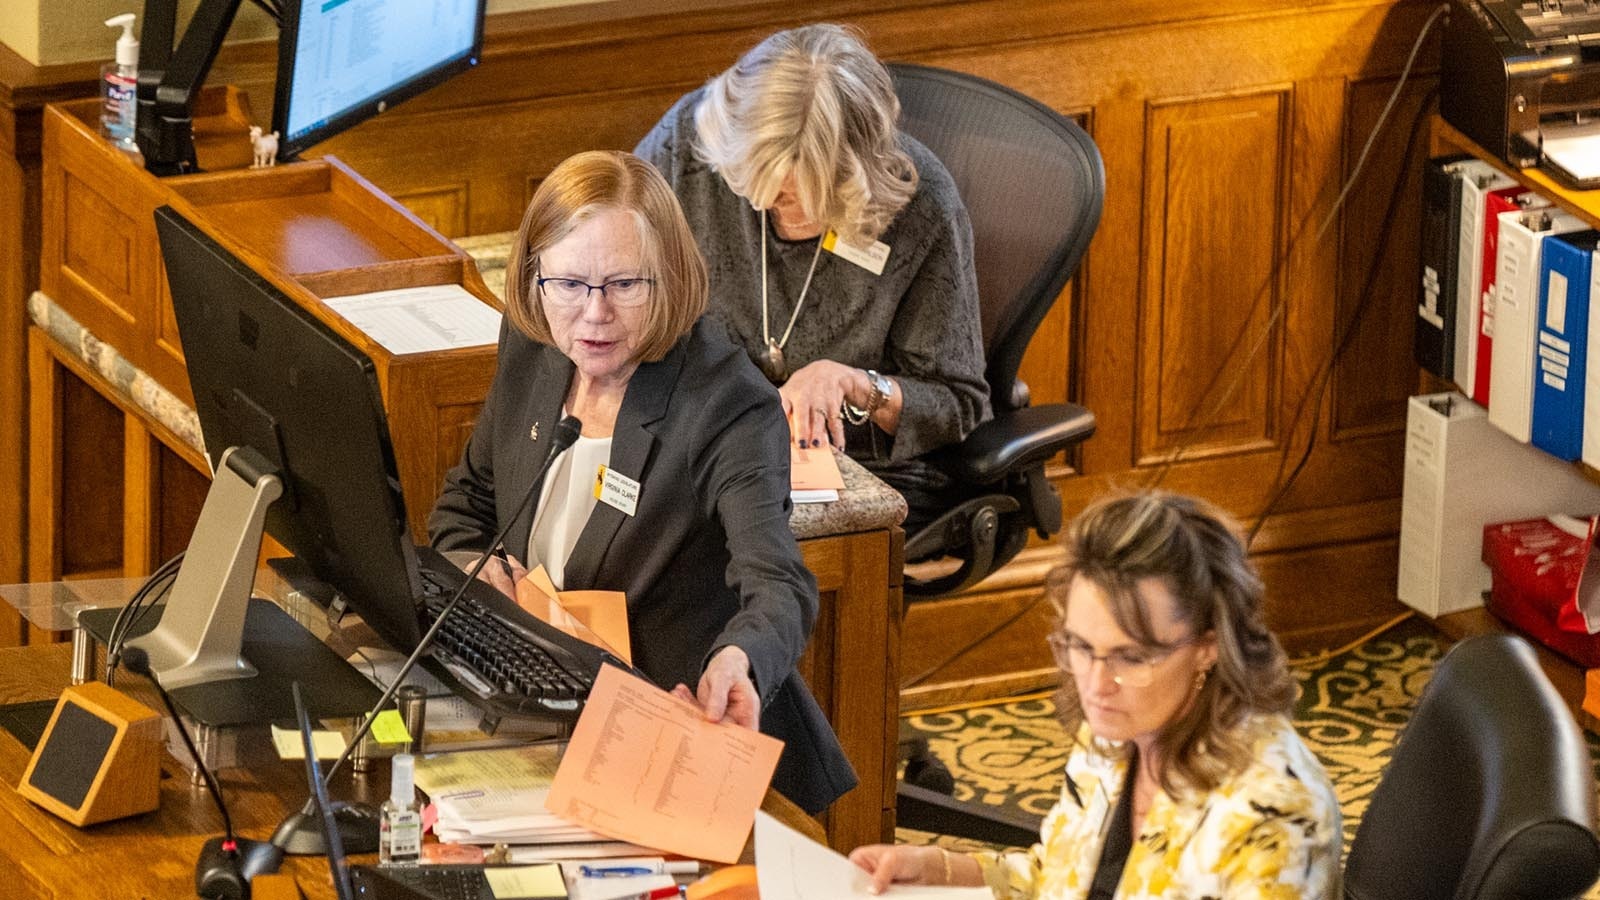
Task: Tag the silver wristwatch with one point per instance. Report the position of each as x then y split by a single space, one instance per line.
882 390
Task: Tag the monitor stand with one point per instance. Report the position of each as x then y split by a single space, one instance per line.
229 659
202 629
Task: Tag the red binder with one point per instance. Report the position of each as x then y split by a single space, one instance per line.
1495 203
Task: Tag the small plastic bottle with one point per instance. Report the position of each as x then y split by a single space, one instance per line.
400 820
119 84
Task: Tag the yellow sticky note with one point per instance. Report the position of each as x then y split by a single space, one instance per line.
526 881
329 744
389 728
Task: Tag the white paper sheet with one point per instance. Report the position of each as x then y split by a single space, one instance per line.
421 319
791 866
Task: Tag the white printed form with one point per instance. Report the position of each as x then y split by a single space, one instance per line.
646 767
421 319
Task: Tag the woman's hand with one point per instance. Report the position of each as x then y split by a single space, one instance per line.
902 864
726 693
503 573
812 397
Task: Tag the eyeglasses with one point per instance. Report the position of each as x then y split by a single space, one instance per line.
622 292
1133 667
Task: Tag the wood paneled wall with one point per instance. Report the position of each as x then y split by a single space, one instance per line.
1226 323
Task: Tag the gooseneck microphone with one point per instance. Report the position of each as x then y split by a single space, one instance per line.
301 833
227 863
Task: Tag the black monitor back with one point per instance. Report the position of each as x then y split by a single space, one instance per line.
267 374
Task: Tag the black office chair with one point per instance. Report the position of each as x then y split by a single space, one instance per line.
1489 794
1033 185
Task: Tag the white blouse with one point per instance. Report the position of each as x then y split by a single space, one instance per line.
565 501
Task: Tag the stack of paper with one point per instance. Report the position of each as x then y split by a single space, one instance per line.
814 475
494 796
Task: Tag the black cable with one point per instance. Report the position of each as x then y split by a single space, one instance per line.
155 585
1273 272
1319 381
139 664
1271 278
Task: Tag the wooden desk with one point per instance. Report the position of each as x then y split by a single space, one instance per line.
153 855
144 856
115 458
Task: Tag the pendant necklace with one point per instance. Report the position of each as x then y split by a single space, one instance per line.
771 361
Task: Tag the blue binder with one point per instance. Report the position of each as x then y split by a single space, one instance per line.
1565 269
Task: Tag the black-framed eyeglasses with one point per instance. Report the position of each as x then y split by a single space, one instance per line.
1128 666
621 292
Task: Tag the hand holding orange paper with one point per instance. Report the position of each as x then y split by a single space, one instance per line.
646 767
604 613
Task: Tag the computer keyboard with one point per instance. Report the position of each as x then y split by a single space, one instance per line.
434 882
493 650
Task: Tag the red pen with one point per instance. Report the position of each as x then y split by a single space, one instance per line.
662 893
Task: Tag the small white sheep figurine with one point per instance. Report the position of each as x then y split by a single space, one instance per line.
265 147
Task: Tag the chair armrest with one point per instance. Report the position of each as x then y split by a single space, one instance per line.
1016 440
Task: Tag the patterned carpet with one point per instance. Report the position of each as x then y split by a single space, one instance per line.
1352 707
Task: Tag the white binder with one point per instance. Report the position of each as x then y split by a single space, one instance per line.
1461 474
1478 179
1516 314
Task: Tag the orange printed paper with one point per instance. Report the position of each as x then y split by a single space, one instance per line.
647 768
814 469
586 615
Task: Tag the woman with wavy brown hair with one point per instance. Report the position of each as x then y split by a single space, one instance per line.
1186 778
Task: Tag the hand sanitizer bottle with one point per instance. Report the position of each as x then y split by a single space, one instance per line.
119 83
400 819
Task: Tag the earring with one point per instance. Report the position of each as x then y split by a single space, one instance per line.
1200 679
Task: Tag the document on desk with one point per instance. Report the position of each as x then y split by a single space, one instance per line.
488 796
814 475
421 319
646 767
791 866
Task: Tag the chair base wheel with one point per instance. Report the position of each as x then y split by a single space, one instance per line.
925 770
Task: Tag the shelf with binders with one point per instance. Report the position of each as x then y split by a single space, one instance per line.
1575 208
1564 202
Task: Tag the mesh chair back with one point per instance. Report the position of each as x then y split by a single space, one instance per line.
1489 793
1033 184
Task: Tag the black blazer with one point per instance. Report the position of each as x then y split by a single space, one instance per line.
708 558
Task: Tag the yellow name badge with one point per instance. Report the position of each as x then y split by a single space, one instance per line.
870 258
616 489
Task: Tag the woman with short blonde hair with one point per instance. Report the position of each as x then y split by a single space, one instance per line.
574 192
840 253
676 490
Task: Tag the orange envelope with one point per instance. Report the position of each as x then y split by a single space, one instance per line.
586 615
814 469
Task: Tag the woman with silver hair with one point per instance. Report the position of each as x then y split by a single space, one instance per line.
840 254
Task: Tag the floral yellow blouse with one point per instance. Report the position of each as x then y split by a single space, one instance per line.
1272 832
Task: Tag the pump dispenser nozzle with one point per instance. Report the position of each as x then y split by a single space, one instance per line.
127 44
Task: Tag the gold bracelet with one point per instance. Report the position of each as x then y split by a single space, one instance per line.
944 855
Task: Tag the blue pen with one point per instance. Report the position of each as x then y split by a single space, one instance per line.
615 871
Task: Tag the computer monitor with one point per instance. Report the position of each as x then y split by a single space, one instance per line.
341 62
278 383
